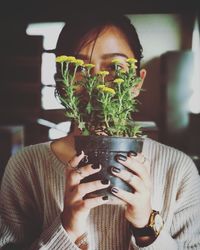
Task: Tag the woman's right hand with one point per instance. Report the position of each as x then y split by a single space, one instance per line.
77 209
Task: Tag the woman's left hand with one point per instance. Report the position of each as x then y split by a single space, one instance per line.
137 175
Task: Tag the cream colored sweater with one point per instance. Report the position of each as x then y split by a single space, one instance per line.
32 194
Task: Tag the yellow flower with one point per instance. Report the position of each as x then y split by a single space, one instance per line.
116 61
122 71
60 59
89 65
118 80
70 59
131 60
78 62
64 58
108 90
103 73
100 86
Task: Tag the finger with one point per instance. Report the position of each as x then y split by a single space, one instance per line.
75 161
95 202
133 180
74 176
124 195
136 167
140 158
84 188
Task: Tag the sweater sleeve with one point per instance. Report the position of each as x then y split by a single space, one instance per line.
184 232
20 221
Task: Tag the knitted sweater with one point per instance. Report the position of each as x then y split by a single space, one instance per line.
32 195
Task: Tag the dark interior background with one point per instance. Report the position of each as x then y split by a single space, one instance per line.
20 73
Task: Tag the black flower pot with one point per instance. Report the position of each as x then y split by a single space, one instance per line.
103 150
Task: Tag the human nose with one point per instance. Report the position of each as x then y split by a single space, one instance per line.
96 69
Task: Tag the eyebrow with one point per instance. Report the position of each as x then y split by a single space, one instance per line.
104 56
110 55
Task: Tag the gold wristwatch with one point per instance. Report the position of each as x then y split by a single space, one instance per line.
153 227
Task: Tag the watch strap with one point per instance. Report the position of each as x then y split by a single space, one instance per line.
144 231
148 230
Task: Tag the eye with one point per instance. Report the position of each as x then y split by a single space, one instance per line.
80 69
111 67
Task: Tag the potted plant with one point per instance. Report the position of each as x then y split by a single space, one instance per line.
102 106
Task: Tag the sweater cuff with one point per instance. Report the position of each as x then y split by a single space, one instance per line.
164 241
54 237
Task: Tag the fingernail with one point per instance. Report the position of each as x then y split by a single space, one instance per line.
105 198
105 181
121 157
132 153
95 166
115 170
114 190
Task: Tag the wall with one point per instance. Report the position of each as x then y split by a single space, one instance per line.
159 33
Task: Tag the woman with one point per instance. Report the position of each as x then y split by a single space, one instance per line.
43 205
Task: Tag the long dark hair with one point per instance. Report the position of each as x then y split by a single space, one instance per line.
74 34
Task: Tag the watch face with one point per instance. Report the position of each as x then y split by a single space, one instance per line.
158 223
152 229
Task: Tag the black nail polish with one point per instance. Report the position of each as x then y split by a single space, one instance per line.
95 166
115 170
132 153
121 157
105 198
114 190
105 181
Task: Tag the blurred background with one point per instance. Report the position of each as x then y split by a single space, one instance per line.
170 102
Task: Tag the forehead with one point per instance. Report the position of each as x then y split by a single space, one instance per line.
110 41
